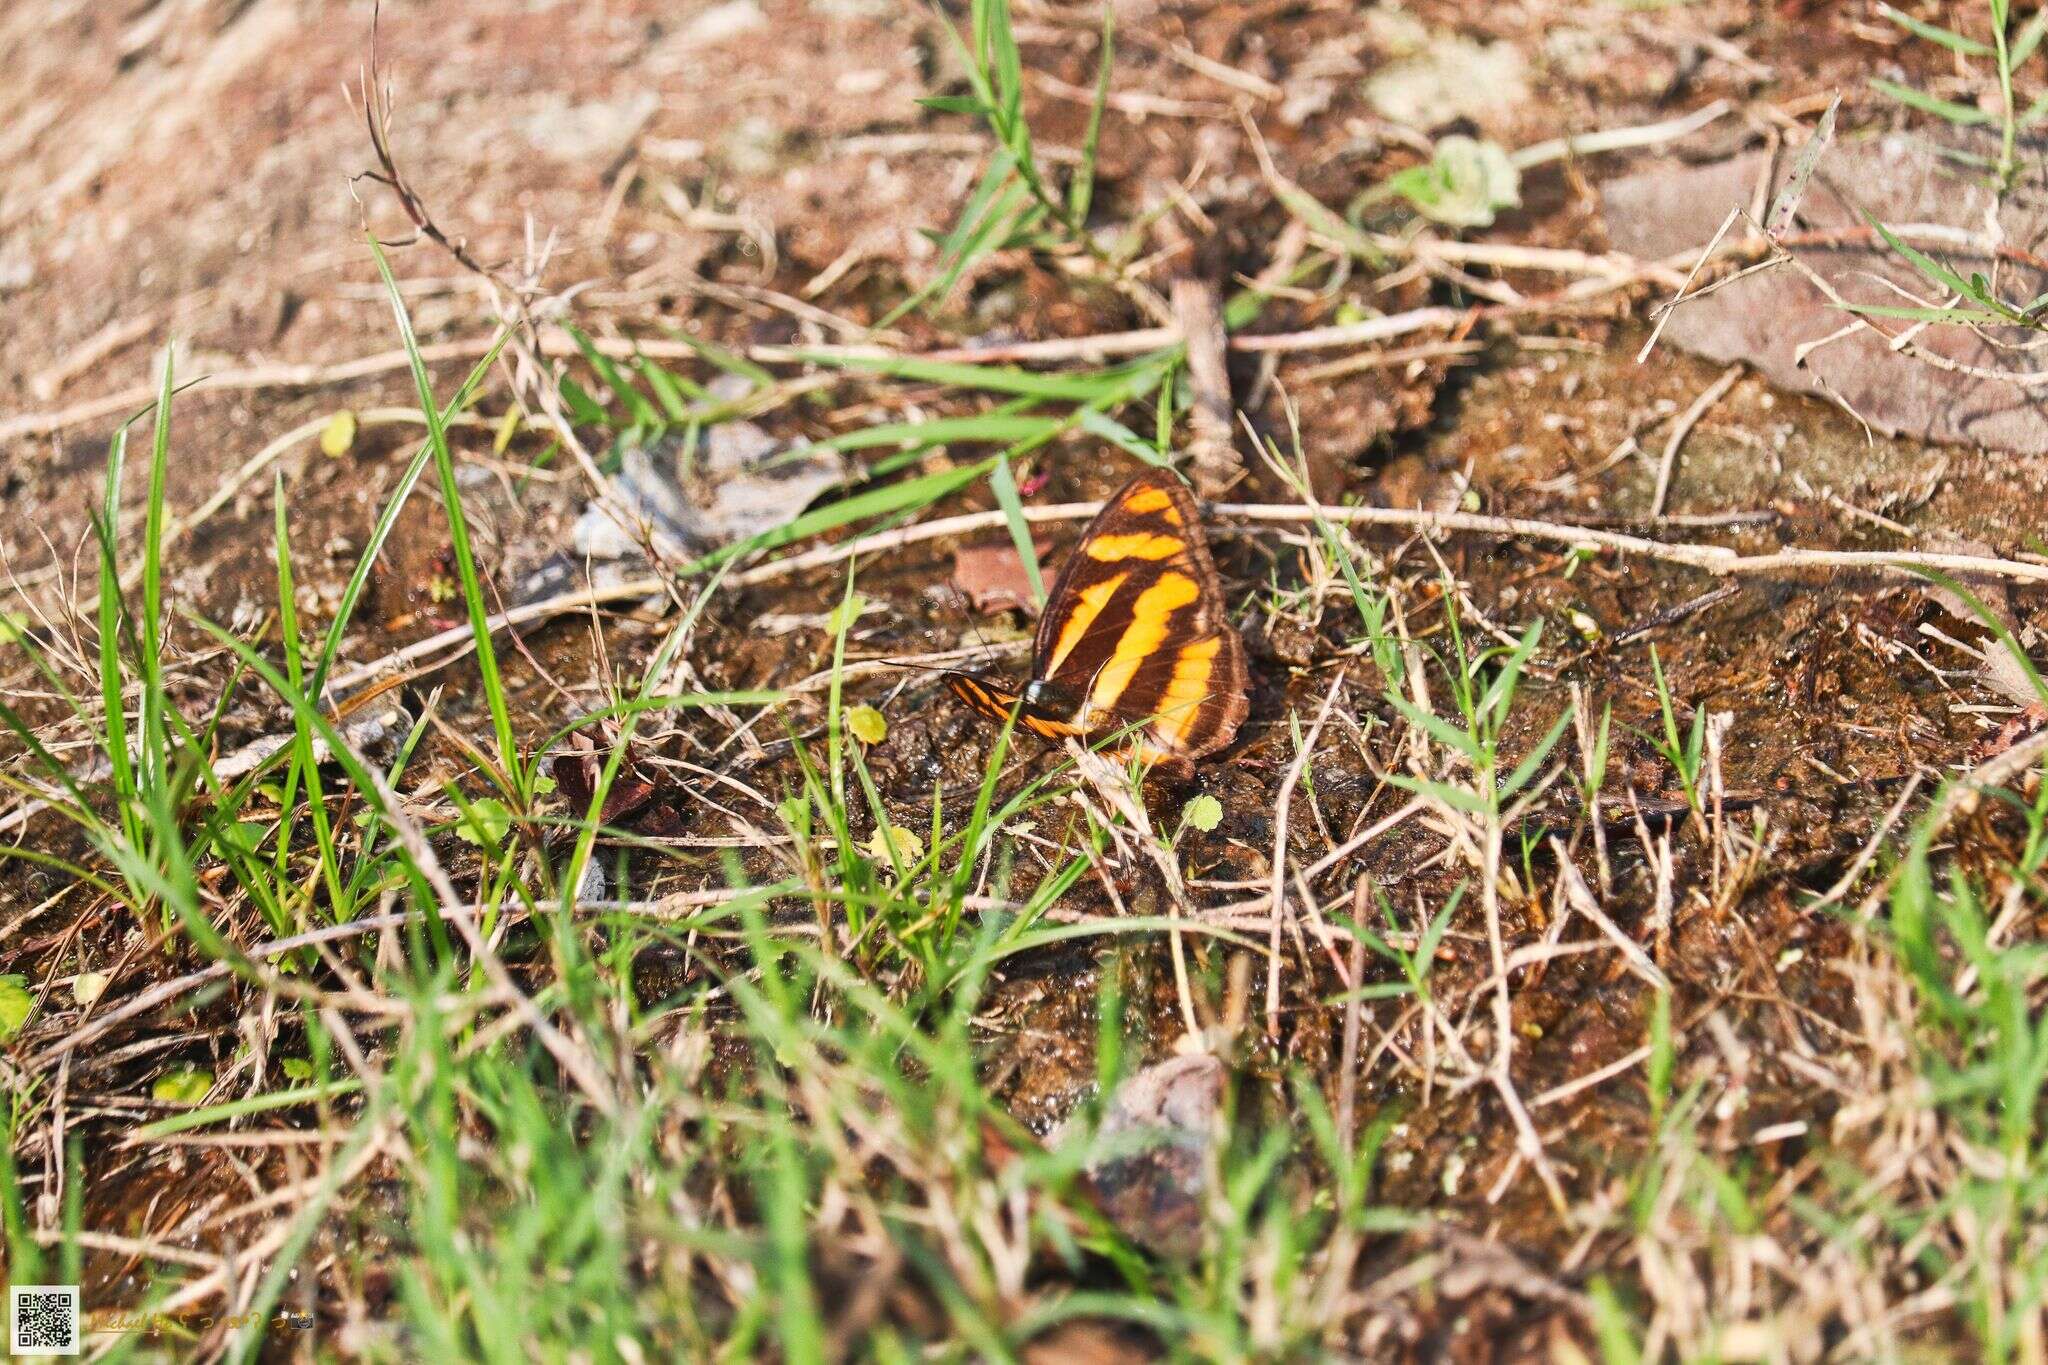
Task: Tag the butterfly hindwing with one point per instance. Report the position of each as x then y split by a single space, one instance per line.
1135 627
1134 636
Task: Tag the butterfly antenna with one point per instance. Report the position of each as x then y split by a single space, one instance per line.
973 621
909 667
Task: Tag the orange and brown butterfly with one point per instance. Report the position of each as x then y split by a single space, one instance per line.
1134 641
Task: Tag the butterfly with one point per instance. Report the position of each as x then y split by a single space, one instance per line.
1134 641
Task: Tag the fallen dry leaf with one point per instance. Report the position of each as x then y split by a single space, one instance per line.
1765 320
991 576
740 481
638 797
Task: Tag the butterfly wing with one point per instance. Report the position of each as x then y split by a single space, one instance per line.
996 701
1135 628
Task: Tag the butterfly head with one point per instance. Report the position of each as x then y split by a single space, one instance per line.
1042 694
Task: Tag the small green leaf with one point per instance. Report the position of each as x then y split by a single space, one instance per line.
508 427
485 823
1464 185
15 1004
339 433
183 1085
1204 813
14 627
243 836
867 725
296 1068
845 614
87 987
908 847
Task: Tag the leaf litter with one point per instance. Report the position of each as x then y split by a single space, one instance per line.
1528 434
1985 385
688 494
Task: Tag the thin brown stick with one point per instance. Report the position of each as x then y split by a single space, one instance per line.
1282 803
1682 428
553 342
1086 349
1600 270
1347 1066
125 401
1352 333
1211 453
1256 86
1567 1089
1718 560
141 1248
1619 139
1706 254
1528 1142
1870 848
1963 795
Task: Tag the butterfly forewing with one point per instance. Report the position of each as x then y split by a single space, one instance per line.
1135 626
1134 642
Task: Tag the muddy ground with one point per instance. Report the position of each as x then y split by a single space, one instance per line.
189 173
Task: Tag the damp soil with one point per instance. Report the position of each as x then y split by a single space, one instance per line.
1834 690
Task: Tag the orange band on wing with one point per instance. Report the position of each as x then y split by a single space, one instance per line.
1150 615
1187 691
1151 501
1088 604
1135 545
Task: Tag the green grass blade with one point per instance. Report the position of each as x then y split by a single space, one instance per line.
615 379
671 390
1077 388
1941 274
1976 317
242 1108
387 520
1001 427
907 496
2027 40
112 673
1082 193
149 663
458 526
1004 482
1962 115
1934 33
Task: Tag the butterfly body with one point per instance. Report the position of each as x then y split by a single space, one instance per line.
1135 646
